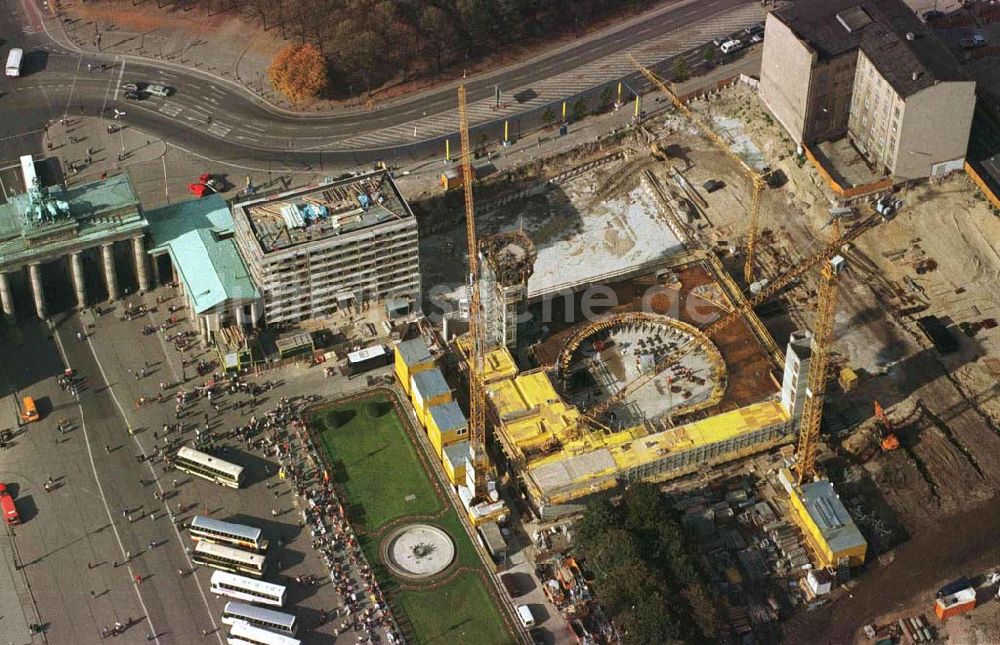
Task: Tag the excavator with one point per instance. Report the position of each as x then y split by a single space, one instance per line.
886 433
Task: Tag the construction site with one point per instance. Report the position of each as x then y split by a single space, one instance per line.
691 296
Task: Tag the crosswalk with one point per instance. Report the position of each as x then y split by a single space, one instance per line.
219 129
171 109
567 84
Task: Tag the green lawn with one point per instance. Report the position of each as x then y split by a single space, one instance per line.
459 612
378 464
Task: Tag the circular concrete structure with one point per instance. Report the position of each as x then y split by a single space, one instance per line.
624 349
417 551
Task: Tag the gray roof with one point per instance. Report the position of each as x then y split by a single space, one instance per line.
456 453
448 416
413 351
430 383
879 28
828 512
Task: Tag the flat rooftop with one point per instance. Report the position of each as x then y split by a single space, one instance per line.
831 517
879 28
318 213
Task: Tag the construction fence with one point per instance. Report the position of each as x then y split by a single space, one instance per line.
983 186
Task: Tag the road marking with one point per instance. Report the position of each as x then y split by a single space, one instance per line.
121 73
219 129
172 109
166 191
149 464
100 487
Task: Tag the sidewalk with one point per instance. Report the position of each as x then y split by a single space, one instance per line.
88 150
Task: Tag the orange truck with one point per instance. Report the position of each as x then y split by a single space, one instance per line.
29 410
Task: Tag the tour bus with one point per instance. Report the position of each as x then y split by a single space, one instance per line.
211 468
14 62
274 621
227 558
228 533
29 410
246 634
248 589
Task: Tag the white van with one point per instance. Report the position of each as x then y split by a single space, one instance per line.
524 613
14 62
731 46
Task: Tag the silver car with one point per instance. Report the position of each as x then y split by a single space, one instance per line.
159 90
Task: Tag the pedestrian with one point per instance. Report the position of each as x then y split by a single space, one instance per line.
128 556
92 593
138 579
115 564
107 449
180 572
175 483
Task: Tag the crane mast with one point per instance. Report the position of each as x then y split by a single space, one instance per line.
757 180
477 394
812 409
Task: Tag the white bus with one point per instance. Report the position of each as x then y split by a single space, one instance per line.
14 62
246 634
275 621
248 589
211 468
228 533
227 558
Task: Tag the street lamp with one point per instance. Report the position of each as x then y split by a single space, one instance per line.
121 134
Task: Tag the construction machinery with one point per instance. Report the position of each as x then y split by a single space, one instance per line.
743 307
812 410
758 180
886 432
477 390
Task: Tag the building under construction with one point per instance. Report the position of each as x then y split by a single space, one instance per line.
507 261
325 248
726 393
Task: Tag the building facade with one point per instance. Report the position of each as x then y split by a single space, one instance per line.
870 70
327 248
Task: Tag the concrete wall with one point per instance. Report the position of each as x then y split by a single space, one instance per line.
935 128
785 76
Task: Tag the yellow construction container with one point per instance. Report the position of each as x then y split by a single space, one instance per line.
446 425
830 533
412 357
454 458
427 389
848 379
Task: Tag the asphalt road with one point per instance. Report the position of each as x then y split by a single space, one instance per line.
56 81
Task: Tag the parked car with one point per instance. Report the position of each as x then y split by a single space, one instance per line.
757 38
210 181
731 46
133 86
973 41
713 185
932 15
754 29
160 90
132 95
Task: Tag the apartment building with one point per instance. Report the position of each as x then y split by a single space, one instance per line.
872 71
321 249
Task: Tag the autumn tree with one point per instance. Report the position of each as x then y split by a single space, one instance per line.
299 72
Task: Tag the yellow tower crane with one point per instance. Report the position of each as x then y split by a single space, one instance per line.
812 409
757 180
477 391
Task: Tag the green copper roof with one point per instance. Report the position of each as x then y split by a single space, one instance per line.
198 235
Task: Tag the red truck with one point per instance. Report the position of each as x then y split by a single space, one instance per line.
8 507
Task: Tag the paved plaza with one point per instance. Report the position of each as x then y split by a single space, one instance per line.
107 546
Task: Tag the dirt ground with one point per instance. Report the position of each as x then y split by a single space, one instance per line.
938 256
